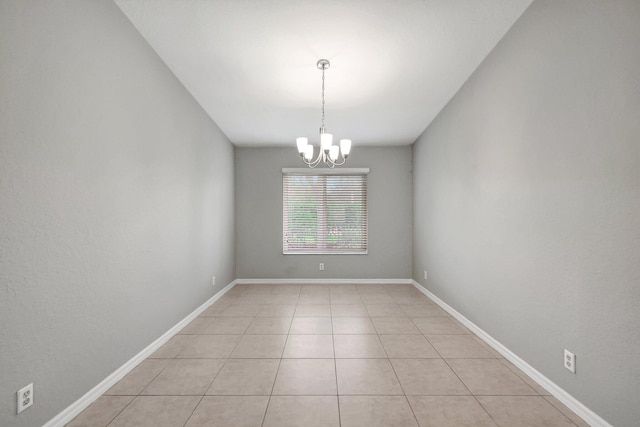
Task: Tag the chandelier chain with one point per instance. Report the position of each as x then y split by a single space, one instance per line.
322 98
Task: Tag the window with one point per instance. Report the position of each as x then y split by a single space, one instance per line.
324 211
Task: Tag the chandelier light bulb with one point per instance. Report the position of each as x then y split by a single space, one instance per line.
333 153
308 152
345 147
326 139
302 144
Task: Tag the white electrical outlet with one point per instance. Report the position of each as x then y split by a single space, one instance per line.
570 361
321 266
213 281
425 274
25 397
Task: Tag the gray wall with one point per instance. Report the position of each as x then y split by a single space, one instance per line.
116 201
527 199
259 217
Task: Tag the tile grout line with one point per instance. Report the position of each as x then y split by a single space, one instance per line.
562 412
404 393
469 390
194 410
152 380
485 409
335 363
220 370
266 409
114 417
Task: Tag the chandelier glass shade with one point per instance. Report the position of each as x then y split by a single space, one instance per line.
328 153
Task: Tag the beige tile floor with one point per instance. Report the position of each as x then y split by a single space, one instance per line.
325 355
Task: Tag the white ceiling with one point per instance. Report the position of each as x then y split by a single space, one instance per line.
252 64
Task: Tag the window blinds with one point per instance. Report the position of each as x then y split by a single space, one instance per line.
324 213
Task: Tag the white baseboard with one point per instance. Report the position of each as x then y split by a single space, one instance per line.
81 404
324 281
571 402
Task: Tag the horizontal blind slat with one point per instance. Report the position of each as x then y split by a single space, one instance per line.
324 213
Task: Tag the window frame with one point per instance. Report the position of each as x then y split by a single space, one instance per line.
320 172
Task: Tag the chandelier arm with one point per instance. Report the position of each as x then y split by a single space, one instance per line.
308 162
339 163
316 162
322 156
332 163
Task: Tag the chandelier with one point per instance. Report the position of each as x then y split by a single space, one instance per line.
328 153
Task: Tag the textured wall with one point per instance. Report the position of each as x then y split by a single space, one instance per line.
527 199
116 201
259 220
